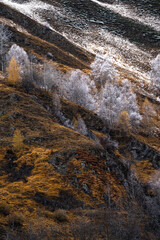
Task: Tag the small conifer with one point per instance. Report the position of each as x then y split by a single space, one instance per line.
17 140
13 71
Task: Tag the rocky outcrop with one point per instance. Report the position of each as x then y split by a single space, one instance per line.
141 151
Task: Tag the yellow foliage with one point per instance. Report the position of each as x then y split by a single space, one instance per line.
74 122
17 140
13 71
124 121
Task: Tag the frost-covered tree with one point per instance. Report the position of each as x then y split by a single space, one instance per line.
115 99
103 70
56 104
81 126
21 58
79 88
4 38
53 78
155 72
26 68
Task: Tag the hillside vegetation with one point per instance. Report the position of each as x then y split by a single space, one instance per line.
79 132
58 168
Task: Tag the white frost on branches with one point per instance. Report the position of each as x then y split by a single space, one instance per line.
114 100
103 70
79 88
108 102
21 57
81 127
155 72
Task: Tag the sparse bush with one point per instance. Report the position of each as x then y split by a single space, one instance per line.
148 110
27 84
15 220
85 230
4 209
60 215
56 104
79 89
53 79
149 115
37 78
108 144
81 126
17 140
58 113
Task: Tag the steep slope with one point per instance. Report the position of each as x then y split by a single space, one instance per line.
34 36
58 168
58 183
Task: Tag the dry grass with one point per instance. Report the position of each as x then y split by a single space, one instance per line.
60 215
34 192
145 171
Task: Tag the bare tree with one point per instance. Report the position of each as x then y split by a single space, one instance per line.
155 73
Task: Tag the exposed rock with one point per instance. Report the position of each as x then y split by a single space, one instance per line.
61 160
76 182
15 97
21 1
77 171
59 164
107 1
141 151
85 188
84 165
92 135
14 115
34 98
2 113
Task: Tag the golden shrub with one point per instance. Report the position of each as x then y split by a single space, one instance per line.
60 215
13 71
124 121
17 140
